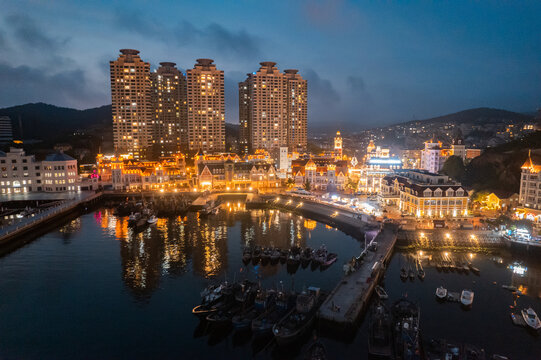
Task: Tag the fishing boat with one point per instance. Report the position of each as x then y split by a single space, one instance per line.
319 255
243 299
243 320
283 256
406 317
293 259
152 220
275 256
403 273
265 256
411 273
133 218
420 270
329 260
441 293
531 319
298 320
466 297
262 324
246 256
306 257
256 255
381 292
316 351
380 331
509 287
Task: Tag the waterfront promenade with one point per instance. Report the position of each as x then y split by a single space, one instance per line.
20 227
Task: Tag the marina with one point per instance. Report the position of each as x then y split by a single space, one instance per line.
166 257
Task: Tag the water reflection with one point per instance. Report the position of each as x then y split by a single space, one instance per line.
175 244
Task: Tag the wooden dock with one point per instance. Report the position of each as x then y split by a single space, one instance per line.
351 296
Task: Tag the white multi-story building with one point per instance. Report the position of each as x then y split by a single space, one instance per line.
530 191
21 173
423 194
431 157
59 173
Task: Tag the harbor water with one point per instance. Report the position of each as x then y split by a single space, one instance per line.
95 289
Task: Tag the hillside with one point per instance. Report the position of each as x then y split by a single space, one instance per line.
498 169
477 116
52 123
44 121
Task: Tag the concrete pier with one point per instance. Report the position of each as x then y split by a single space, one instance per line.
350 297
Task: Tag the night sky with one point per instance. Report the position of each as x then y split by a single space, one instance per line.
371 63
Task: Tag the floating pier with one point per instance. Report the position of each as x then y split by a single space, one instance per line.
350 297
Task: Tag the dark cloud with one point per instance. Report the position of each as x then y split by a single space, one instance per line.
320 90
3 42
26 30
24 84
356 84
214 36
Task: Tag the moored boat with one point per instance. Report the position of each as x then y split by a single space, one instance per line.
380 331
152 220
380 291
406 317
299 320
306 257
466 297
531 319
316 351
262 324
329 260
441 293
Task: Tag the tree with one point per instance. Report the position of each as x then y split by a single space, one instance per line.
352 185
290 182
307 185
454 167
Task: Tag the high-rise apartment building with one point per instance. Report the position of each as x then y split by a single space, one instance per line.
169 109
273 109
244 113
297 110
6 131
206 107
131 104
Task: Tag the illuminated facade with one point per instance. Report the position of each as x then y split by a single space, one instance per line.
424 194
236 175
530 190
131 104
321 173
338 146
169 107
21 173
206 107
273 110
374 170
125 172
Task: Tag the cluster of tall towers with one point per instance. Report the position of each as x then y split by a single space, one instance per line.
165 112
273 110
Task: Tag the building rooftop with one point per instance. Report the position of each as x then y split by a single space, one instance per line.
58 157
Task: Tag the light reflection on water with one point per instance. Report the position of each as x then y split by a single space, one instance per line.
107 280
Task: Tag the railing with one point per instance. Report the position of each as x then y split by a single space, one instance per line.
50 212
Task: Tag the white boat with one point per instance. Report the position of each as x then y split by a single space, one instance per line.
441 293
152 220
531 318
466 297
381 292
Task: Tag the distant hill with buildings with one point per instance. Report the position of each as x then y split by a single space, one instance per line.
52 124
48 122
479 116
498 169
